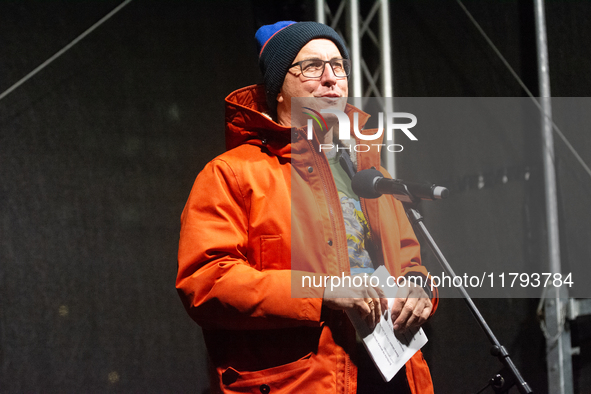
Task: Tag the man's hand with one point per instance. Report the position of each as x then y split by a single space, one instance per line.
368 301
412 307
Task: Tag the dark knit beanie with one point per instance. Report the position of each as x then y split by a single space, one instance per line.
280 43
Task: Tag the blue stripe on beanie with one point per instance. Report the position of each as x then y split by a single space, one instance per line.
280 44
265 32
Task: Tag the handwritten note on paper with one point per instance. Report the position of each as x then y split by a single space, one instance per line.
388 349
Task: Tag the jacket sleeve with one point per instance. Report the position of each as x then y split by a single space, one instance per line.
218 286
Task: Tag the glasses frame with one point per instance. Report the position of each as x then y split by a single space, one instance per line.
323 67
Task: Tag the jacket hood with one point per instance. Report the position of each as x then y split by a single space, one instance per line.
247 121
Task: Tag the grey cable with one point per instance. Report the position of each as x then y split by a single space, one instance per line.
63 50
500 55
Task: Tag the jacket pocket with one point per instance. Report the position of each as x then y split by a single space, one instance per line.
282 379
272 251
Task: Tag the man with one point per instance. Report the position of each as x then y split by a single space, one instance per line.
269 205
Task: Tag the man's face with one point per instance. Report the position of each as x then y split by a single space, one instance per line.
328 88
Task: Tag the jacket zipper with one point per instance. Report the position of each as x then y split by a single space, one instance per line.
322 168
348 373
364 209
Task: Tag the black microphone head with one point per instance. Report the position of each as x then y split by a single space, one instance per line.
363 183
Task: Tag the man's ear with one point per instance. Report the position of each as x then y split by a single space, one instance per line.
280 97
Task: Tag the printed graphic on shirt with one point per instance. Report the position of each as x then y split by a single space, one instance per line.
357 234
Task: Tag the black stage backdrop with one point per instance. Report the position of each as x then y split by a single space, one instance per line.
98 153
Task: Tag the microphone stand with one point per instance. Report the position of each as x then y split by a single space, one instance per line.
509 375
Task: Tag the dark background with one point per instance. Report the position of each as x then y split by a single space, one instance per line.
98 153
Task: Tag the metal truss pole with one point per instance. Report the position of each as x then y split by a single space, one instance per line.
387 82
320 16
355 45
357 25
558 342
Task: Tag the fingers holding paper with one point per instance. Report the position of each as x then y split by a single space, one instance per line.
412 307
377 304
369 302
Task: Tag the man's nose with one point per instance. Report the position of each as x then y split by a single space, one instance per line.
328 76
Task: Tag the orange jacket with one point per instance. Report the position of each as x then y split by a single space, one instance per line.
265 206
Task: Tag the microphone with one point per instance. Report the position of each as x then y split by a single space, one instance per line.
372 184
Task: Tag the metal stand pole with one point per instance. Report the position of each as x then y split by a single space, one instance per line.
510 375
558 343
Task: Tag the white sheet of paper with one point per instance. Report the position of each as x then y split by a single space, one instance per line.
389 350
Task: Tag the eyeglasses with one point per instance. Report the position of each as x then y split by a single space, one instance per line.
314 68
